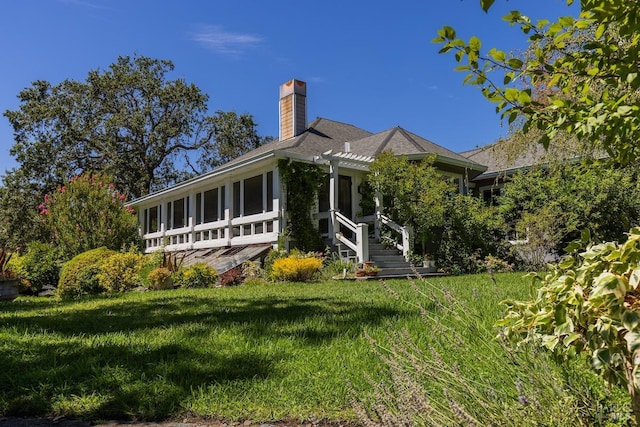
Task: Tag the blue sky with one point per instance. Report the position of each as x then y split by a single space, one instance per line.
368 63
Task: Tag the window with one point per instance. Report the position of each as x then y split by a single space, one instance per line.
490 196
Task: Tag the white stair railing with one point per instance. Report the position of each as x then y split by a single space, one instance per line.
361 232
405 234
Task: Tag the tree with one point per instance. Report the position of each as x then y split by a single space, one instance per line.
234 135
129 121
414 192
587 88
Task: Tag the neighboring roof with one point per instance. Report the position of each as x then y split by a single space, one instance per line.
498 161
503 158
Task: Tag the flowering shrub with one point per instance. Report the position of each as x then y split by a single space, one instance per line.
121 272
199 275
89 213
296 268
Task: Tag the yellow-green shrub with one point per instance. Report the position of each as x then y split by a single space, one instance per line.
199 275
121 272
79 276
296 269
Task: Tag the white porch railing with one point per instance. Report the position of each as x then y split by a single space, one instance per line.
260 228
361 232
405 234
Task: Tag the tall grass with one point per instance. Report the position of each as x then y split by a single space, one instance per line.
263 352
462 374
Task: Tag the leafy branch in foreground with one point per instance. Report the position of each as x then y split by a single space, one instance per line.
581 75
589 304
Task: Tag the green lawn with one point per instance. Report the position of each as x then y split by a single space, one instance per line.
263 352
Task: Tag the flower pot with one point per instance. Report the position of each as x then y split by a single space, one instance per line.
360 273
9 289
371 273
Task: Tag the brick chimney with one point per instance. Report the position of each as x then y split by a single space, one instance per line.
293 109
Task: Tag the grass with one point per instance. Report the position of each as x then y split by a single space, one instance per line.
267 352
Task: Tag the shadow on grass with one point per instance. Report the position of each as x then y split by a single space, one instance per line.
83 359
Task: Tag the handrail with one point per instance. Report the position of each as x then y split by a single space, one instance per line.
361 232
405 233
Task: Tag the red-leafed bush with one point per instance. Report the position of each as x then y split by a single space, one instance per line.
232 277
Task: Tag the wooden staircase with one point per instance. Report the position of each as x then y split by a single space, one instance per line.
392 264
390 261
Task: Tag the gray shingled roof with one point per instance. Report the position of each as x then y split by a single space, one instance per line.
321 136
401 141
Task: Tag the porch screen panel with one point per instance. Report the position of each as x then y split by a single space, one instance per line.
211 205
178 213
223 201
253 195
198 208
236 199
152 222
269 191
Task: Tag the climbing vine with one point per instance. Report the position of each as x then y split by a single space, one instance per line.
301 182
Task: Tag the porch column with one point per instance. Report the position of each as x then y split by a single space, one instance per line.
333 199
377 199
278 223
191 219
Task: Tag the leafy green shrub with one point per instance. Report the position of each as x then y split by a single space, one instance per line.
471 232
198 275
296 268
271 257
88 213
40 265
160 278
589 303
121 272
79 276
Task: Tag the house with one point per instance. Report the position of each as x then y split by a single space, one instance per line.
242 204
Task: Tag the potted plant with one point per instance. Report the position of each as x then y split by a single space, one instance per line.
427 262
370 269
8 280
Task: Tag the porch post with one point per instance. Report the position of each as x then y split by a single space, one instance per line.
377 199
333 199
277 197
191 218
